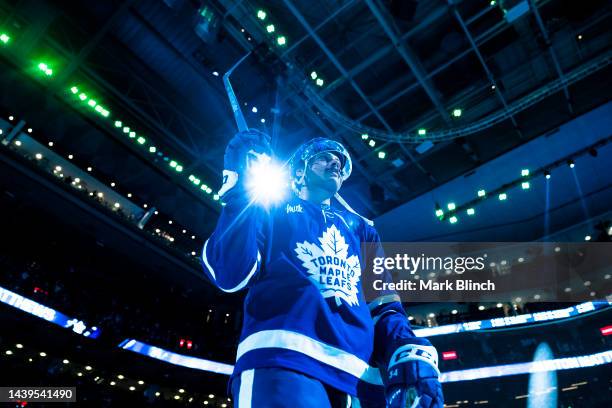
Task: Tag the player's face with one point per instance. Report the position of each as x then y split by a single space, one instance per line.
324 172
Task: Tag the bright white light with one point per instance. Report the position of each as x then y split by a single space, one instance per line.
38 156
42 354
88 368
254 109
481 307
499 305
112 383
211 396
267 182
66 362
181 390
132 388
431 315
17 143
215 73
70 156
587 238
19 346
157 394
454 311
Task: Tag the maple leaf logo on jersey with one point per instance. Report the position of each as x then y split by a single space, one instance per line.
329 266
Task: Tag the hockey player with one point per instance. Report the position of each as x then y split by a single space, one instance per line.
309 339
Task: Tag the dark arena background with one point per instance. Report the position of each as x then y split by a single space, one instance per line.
466 121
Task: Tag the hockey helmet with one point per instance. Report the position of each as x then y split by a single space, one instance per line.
313 147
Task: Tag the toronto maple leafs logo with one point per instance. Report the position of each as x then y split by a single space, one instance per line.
330 268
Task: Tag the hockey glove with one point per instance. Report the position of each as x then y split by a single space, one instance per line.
243 148
412 376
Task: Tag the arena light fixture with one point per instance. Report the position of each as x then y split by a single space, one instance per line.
364 136
313 75
4 38
482 193
451 206
261 14
422 132
281 40
270 28
502 196
382 155
457 113
470 211
372 143
45 68
320 82
525 185
453 219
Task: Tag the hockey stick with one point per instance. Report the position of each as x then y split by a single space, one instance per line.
240 121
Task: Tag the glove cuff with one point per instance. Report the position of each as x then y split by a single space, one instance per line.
415 352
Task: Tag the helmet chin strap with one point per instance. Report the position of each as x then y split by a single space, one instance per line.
350 209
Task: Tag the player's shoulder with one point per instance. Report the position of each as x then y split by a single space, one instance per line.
356 223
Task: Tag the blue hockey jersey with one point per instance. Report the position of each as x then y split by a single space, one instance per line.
305 308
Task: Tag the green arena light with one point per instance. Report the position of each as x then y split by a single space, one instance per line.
152 149
313 74
74 90
364 136
482 193
141 140
179 168
453 219
457 113
422 132
126 130
261 14
439 213
502 196
470 211
82 96
320 82
4 38
525 185
45 68
372 143
451 206
91 103
281 40
525 172
270 28
173 163
132 135
382 155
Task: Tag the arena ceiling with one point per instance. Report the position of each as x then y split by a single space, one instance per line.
399 72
